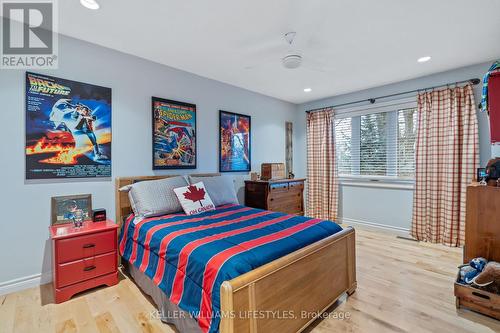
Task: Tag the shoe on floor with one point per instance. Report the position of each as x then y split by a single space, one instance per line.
467 273
479 263
490 274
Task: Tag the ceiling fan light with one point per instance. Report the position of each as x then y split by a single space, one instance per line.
90 4
423 59
292 61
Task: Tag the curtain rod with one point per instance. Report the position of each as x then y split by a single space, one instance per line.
373 100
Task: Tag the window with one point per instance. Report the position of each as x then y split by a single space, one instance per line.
377 143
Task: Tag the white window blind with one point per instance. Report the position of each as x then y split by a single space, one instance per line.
377 144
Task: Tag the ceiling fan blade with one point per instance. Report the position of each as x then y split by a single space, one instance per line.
267 61
316 65
307 18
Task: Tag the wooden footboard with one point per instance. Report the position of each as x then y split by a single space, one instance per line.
284 295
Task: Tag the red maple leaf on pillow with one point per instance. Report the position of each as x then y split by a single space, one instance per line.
194 194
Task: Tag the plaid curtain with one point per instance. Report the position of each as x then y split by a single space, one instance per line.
322 182
446 161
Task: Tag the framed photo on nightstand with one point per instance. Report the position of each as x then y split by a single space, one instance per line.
66 208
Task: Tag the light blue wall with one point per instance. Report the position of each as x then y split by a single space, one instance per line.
391 207
25 208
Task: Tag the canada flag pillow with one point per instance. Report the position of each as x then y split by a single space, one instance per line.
194 199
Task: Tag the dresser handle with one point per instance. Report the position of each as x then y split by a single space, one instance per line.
88 246
89 268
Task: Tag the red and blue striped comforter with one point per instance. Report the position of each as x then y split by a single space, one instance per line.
189 257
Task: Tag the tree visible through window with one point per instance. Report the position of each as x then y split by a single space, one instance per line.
373 159
377 144
407 136
343 145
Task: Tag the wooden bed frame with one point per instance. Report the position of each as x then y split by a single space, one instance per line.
285 295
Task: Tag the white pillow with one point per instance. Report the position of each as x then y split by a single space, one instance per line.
194 199
154 197
220 188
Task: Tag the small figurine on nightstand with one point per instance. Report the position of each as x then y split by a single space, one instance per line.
74 213
78 218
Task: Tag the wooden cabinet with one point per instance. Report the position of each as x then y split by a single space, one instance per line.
285 195
482 223
482 239
83 258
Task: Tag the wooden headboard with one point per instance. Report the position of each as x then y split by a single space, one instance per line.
122 204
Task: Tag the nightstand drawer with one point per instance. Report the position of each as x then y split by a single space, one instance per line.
85 269
75 248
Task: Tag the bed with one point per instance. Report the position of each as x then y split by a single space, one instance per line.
237 269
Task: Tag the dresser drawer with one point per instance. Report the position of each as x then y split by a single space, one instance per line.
296 186
289 206
278 187
85 269
75 248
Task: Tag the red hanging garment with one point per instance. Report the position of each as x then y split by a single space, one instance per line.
494 106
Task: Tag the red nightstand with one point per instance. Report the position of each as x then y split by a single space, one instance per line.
83 258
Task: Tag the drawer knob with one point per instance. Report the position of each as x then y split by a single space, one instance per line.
88 246
89 268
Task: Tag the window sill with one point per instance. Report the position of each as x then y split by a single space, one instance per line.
399 184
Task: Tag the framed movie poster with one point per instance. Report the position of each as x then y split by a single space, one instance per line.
234 142
68 128
174 134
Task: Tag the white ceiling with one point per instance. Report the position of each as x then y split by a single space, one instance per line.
352 45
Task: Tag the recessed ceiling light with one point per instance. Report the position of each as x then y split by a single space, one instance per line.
424 59
307 89
90 4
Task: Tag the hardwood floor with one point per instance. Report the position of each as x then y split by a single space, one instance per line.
403 286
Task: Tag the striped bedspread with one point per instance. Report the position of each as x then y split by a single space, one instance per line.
189 257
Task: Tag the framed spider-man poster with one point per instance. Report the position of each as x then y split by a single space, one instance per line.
174 134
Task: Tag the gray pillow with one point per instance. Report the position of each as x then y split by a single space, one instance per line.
154 197
220 189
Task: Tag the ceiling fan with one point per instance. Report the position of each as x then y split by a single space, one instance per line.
292 58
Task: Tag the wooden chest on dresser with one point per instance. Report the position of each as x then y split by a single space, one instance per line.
83 258
284 195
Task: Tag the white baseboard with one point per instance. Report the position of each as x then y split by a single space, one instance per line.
377 226
25 282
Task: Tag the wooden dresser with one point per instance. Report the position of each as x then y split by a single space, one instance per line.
482 239
83 258
284 195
